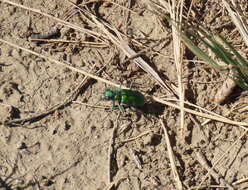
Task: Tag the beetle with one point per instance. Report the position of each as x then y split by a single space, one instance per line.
124 97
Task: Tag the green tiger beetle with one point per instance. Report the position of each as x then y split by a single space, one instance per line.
124 97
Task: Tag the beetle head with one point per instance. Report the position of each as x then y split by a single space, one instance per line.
108 95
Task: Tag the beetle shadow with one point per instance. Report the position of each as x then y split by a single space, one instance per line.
155 108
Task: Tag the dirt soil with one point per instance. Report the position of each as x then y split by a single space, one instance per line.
76 146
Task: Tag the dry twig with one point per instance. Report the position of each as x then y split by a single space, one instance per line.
139 136
237 19
172 158
110 185
93 106
136 159
176 13
240 181
112 153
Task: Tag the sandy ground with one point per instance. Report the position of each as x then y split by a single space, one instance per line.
69 148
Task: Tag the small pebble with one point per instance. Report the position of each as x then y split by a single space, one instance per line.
108 124
21 145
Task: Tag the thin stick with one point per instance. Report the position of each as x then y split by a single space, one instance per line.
218 178
172 159
200 114
136 159
177 14
240 181
6 105
208 187
196 106
111 153
93 106
141 52
85 43
110 185
134 138
237 20
109 1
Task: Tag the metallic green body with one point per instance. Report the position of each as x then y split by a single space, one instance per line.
125 97
131 98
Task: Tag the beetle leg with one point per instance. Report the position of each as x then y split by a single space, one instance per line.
113 106
131 85
133 108
120 106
